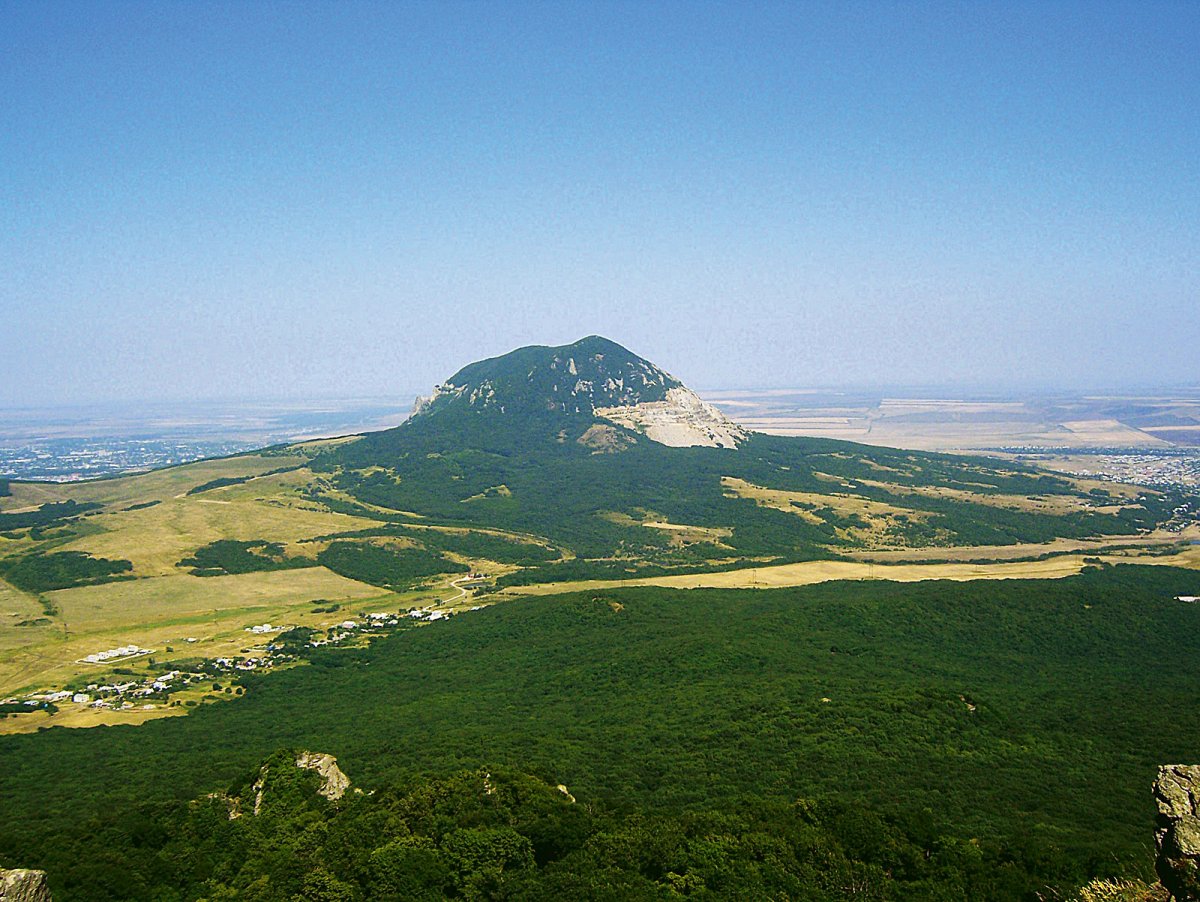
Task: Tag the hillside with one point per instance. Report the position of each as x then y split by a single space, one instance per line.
583 445
544 466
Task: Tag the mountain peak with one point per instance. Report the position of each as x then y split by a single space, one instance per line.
570 379
591 379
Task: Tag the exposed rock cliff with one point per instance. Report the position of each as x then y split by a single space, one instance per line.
680 420
333 786
1177 792
24 886
335 782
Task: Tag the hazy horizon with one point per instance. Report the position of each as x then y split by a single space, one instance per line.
405 397
246 201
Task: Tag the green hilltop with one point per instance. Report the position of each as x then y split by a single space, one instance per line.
571 379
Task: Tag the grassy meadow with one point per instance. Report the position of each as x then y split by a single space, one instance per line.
153 522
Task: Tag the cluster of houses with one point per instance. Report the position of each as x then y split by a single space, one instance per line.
116 654
127 695
119 696
349 628
245 665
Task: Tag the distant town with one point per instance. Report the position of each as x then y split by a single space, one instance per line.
69 460
1162 467
67 444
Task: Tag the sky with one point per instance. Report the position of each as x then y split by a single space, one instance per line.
292 200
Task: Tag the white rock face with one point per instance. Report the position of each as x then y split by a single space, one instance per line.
423 403
682 420
336 783
24 886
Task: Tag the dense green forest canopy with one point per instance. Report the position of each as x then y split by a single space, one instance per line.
389 568
228 556
493 833
1027 715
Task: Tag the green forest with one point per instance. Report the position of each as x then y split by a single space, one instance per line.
493 833
45 572
934 740
45 515
389 568
226 556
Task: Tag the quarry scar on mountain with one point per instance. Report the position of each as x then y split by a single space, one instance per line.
680 420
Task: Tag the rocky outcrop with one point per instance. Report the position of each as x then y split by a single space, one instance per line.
335 783
605 439
24 886
333 786
1177 837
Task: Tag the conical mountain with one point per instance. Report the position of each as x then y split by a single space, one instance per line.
585 388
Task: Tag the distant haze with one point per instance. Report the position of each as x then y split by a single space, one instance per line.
320 199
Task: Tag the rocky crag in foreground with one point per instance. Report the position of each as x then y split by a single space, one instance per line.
278 771
1177 792
24 886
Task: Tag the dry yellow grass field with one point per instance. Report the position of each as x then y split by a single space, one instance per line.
166 611
1099 546
17 608
185 599
810 572
842 502
74 717
155 539
877 518
1044 504
157 485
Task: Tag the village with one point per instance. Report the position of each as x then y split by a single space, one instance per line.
289 645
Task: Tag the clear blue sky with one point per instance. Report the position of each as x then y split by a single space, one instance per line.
291 199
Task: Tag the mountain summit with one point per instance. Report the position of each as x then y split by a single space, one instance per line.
595 379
